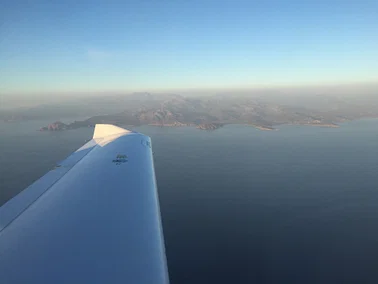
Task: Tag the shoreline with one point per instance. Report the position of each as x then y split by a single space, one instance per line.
324 125
58 126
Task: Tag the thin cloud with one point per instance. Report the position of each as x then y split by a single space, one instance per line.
98 55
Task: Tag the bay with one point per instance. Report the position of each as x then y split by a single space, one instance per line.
239 205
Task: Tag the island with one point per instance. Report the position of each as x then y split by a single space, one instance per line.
56 126
263 127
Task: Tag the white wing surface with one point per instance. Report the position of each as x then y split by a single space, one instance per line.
95 218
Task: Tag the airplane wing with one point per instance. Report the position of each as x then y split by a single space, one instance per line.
94 218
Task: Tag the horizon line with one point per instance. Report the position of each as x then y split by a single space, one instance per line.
256 87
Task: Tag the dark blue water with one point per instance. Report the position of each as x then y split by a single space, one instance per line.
299 205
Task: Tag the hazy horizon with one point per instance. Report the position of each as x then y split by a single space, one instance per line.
11 101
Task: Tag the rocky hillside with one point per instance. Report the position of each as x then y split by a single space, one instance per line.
213 112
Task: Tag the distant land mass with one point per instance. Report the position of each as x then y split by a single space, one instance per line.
205 113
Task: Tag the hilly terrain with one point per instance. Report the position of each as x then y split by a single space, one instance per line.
206 113
209 113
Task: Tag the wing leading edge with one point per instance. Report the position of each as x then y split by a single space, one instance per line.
95 218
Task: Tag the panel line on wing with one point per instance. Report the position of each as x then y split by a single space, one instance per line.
27 205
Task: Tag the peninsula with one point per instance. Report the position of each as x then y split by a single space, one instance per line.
204 113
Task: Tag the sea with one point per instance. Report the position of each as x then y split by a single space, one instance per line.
240 205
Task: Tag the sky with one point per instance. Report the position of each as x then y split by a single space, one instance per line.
99 46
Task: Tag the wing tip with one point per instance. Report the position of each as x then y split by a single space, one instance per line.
103 130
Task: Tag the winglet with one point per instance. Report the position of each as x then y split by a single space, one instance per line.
103 130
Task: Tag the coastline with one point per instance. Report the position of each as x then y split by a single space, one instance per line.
259 127
325 125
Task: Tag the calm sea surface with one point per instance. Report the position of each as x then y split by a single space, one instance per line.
239 205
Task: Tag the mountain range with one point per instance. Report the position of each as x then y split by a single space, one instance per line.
211 112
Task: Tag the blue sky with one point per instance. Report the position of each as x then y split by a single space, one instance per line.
69 46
